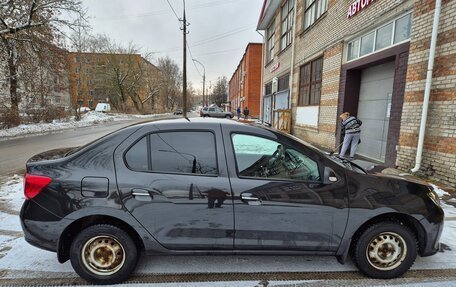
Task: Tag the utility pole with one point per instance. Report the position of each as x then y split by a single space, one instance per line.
204 79
184 80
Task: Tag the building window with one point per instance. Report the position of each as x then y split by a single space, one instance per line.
287 25
268 88
394 32
284 83
310 83
271 40
91 93
77 69
314 10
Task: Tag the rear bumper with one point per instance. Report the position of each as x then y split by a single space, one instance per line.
44 233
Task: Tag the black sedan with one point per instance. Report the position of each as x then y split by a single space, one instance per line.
194 186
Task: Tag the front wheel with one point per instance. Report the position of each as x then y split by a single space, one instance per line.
103 254
385 250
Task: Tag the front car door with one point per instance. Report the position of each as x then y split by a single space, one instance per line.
175 183
280 202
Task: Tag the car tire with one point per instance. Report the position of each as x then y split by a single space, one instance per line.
385 250
106 242
228 116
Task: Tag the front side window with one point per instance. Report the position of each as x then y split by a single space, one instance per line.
310 83
314 10
286 24
265 158
183 152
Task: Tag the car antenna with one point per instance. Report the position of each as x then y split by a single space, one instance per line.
187 119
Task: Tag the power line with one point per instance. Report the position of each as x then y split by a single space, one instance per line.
191 55
174 11
164 11
210 39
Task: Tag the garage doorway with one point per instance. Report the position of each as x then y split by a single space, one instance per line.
374 107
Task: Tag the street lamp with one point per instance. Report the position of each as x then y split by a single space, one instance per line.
204 78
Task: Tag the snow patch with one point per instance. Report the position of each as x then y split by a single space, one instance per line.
87 119
440 192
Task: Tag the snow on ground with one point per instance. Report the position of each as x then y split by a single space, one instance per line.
439 191
13 246
88 119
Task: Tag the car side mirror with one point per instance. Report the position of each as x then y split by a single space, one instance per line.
329 176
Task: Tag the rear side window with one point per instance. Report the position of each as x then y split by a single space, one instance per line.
136 156
183 152
175 152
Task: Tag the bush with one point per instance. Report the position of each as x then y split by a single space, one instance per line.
8 118
47 115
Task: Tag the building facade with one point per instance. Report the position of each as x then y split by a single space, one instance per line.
127 81
245 84
367 57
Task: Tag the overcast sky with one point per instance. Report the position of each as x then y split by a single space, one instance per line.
219 30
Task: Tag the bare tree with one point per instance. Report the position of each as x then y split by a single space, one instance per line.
172 82
219 94
26 27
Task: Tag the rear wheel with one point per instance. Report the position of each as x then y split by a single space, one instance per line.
385 250
103 254
228 116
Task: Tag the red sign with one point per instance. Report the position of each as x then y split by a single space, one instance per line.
274 67
357 6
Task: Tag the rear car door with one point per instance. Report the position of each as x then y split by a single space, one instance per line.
280 202
174 182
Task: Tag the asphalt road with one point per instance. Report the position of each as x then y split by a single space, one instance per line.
15 152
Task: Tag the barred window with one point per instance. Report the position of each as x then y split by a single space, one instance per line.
268 88
310 79
284 83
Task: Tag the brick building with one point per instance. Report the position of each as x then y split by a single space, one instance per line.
368 58
245 84
93 76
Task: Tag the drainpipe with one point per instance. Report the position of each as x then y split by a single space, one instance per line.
427 89
293 52
261 77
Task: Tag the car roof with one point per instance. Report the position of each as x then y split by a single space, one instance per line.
190 121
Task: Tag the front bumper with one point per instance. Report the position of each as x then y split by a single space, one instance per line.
433 226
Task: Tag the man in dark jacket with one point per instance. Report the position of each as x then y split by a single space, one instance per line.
246 113
351 129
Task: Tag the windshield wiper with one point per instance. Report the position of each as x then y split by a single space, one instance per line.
348 163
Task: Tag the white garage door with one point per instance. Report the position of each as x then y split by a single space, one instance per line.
374 109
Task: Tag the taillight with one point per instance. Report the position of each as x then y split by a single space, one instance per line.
34 184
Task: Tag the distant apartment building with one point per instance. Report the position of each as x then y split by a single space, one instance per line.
39 85
324 57
127 81
245 84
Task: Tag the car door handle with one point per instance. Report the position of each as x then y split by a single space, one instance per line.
249 197
140 192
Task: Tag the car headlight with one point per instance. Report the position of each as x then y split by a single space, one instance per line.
433 195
